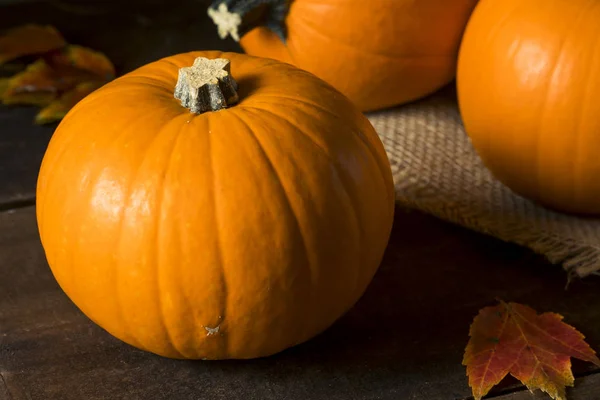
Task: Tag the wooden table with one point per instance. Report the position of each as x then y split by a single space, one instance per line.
403 340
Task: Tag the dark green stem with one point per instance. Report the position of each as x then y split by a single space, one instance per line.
237 17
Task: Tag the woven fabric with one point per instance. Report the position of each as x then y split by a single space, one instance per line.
436 170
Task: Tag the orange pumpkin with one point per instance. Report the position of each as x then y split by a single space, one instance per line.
379 53
527 73
239 217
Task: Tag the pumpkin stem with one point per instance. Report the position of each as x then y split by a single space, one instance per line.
207 85
237 17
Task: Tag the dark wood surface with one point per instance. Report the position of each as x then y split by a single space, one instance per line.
587 387
404 339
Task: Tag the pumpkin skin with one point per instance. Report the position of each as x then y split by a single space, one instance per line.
378 53
228 234
527 73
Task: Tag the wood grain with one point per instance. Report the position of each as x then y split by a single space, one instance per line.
586 388
4 393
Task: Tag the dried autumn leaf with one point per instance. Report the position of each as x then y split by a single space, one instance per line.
36 86
41 83
28 40
511 338
56 110
83 59
59 75
3 86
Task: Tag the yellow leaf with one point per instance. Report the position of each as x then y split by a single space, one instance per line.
58 108
3 86
29 39
41 83
34 86
84 59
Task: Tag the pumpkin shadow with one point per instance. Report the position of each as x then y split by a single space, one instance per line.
247 85
407 334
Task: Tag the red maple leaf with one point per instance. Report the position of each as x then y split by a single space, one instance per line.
511 338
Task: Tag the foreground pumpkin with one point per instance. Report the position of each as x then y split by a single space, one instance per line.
378 53
225 209
527 76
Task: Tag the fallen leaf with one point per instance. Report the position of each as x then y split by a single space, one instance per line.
82 59
39 84
57 109
512 338
35 86
29 39
49 77
3 86
46 71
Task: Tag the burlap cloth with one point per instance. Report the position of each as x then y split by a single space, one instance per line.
436 170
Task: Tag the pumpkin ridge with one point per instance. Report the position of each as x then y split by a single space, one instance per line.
585 99
537 161
157 235
118 307
337 173
185 298
260 109
365 51
373 153
141 83
126 84
120 242
65 142
281 118
309 261
538 170
224 282
357 220
366 142
66 148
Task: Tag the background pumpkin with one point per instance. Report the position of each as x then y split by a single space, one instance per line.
228 234
379 53
527 75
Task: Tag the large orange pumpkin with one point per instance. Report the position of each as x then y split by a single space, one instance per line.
221 223
527 75
379 53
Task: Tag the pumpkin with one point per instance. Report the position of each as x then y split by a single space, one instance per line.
378 53
525 83
214 205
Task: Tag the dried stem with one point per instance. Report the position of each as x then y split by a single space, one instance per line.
206 86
